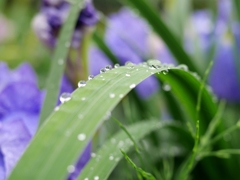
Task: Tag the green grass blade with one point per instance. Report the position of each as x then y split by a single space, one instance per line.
163 31
110 154
67 131
58 61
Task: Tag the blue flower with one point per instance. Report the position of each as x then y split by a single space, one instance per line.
53 14
20 105
129 38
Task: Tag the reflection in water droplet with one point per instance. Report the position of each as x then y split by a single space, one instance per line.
65 97
111 95
81 137
108 67
90 77
81 84
116 66
102 70
71 168
165 72
96 178
166 87
132 86
121 95
93 155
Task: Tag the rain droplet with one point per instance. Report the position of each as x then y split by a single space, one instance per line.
166 87
117 159
116 66
132 86
56 108
165 72
102 70
111 158
65 97
121 95
71 168
183 67
81 84
60 61
93 154
96 178
120 144
90 77
152 67
81 137
111 95
108 67
86 179
83 99
128 75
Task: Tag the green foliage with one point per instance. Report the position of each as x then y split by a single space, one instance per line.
58 61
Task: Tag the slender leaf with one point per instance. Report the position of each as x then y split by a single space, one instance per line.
163 31
68 130
59 59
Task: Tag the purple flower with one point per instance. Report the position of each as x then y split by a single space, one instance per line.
53 14
20 105
131 44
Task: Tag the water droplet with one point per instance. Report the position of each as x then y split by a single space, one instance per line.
93 155
165 72
128 75
111 158
108 115
132 86
121 95
117 159
71 168
108 67
60 61
120 144
183 67
83 99
86 179
90 77
111 95
152 67
81 137
81 84
56 108
96 178
65 97
116 66
102 70
166 87
129 65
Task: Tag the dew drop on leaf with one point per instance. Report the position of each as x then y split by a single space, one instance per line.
166 87
116 66
128 75
108 67
71 168
81 137
90 77
132 86
81 84
111 158
96 178
65 97
165 72
111 95
102 70
60 61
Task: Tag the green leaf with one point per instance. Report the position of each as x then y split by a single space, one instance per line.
58 61
67 131
153 18
109 154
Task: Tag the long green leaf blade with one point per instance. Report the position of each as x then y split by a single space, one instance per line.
164 32
58 61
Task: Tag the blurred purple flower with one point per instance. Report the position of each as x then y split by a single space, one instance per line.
20 105
53 14
131 44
